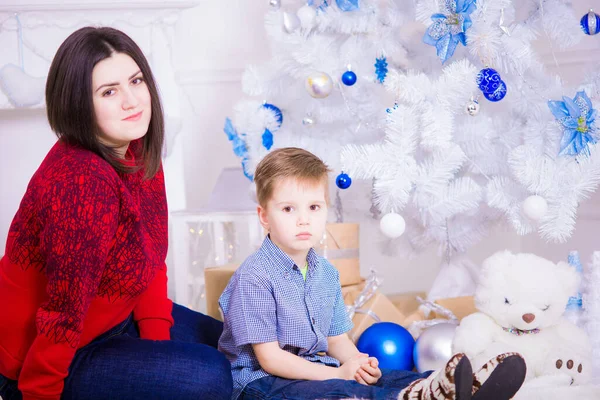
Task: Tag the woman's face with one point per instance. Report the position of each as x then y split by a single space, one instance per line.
121 101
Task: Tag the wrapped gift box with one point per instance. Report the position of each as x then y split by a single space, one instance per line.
347 291
380 305
340 247
216 281
407 303
460 306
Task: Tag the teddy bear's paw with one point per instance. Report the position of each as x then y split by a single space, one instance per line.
572 368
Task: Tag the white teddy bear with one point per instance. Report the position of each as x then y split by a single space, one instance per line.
521 299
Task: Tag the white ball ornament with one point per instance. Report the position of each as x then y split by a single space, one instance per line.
319 85
392 225
535 207
307 16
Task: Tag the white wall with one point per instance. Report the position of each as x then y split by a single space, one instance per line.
213 44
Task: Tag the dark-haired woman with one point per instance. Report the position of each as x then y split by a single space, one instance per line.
83 285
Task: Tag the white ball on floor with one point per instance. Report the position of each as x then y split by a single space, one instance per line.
433 348
307 16
535 207
392 225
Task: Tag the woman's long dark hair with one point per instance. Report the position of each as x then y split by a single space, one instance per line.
69 101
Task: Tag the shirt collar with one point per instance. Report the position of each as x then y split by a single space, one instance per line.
282 259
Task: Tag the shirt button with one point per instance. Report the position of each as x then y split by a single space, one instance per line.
312 320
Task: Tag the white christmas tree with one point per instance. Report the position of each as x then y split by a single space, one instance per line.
591 310
446 112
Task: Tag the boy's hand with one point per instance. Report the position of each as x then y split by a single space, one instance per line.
351 367
369 372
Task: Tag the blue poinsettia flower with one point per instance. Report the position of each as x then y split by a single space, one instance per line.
577 118
449 27
239 147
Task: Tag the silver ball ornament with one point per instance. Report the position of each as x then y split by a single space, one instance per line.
275 4
472 107
433 348
308 120
319 85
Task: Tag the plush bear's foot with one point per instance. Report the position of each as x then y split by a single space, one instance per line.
575 369
455 381
500 378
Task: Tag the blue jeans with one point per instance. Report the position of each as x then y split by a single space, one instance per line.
120 365
389 385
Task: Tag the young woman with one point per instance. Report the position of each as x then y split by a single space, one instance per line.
83 284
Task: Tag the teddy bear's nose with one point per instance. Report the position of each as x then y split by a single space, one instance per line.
528 317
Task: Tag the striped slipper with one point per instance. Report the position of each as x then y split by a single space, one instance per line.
500 378
454 382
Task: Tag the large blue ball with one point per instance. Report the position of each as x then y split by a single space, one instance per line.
343 181
349 78
390 343
590 23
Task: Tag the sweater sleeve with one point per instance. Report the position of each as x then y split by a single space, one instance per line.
81 219
153 311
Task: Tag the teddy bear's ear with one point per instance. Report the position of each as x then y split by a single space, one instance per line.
569 278
497 260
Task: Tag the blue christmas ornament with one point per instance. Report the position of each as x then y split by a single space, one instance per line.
590 23
267 139
497 94
347 5
276 111
449 27
488 80
239 146
381 68
577 118
343 181
390 343
349 78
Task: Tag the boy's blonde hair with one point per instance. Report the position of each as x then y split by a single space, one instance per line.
289 162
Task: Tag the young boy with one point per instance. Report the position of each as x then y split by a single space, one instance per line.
285 321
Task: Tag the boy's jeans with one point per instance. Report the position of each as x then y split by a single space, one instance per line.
388 387
120 365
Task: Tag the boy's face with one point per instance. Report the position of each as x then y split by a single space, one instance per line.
295 215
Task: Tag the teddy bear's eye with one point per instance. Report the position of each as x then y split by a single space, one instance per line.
506 301
545 308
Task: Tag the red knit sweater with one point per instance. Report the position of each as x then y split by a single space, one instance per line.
85 249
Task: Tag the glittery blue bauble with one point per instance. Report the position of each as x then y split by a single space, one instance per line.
497 94
343 181
590 23
488 80
276 110
349 78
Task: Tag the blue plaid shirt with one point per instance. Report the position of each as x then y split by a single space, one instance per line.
268 300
